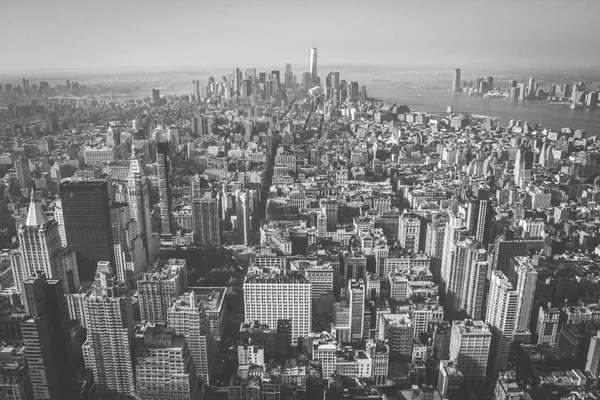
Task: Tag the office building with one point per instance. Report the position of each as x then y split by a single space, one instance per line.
546 328
155 96
330 208
479 216
163 161
470 349
319 275
23 172
592 362
501 316
41 251
409 232
214 301
86 211
456 87
187 316
196 90
108 350
205 212
243 215
272 296
130 256
450 378
523 277
14 373
312 65
46 336
356 293
138 198
288 77
158 288
164 366
397 330
505 248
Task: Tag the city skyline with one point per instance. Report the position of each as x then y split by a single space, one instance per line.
479 35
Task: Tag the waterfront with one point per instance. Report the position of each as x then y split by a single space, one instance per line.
535 112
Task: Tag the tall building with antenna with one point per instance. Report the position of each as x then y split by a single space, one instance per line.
312 64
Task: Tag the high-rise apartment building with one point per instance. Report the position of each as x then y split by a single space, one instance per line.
456 87
470 348
501 316
41 251
187 316
164 366
86 210
289 76
271 296
108 350
46 336
158 288
163 161
205 212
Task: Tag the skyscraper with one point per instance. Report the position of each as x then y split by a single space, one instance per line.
187 316
456 88
155 96
243 217
501 316
206 221
479 216
130 256
164 365
108 350
312 65
157 289
23 173
46 336
163 160
505 248
86 210
196 90
139 204
289 76
523 277
356 291
42 251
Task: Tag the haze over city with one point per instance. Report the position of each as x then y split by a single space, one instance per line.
310 200
65 34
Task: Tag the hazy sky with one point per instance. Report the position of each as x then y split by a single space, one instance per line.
52 34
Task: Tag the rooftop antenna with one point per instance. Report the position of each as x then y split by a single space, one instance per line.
313 43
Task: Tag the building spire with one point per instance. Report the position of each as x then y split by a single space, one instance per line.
36 216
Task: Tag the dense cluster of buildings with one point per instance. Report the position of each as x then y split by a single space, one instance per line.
385 253
577 94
